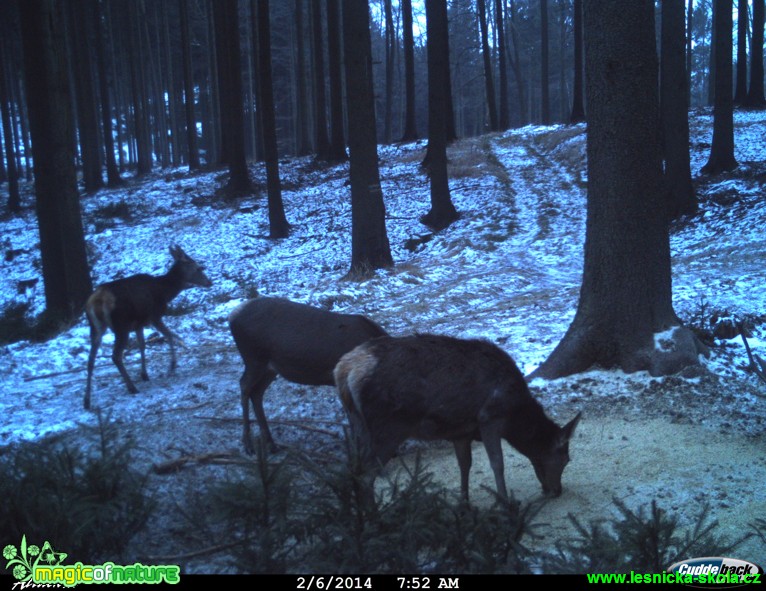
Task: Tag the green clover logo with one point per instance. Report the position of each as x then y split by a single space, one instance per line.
17 559
20 560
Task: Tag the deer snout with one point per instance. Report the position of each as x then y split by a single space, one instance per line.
552 492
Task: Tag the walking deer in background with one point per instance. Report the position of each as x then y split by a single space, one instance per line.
301 343
433 387
128 305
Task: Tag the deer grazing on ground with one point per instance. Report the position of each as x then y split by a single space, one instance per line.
301 343
130 304
432 387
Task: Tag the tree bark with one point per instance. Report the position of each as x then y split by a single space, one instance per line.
504 121
226 17
578 108
337 148
442 212
674 113
626 293
755 94
410 129
545 101
11 173
740 91
370 248
489 83
278 226
62 244
191 122
321 143
722 150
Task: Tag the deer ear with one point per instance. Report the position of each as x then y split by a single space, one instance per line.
568 430
177 252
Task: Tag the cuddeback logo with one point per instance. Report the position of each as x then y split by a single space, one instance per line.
717 571
33 565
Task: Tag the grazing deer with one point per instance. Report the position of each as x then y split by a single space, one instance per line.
433 387
301 343
130 304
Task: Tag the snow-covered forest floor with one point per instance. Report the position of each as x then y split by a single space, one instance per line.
508 270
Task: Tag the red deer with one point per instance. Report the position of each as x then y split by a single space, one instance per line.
130 304
432 387
301 343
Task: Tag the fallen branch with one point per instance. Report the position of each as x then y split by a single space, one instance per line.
176 464
756 363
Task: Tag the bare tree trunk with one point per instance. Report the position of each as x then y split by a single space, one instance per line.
410 130
489 83
278 226
337 148
722 151
370 248
62 243
322 144
755 95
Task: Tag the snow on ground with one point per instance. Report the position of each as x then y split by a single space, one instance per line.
508 270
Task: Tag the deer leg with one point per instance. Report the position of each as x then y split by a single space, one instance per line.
95 343
490 435
165 331
253 384
142 348
464 460
120 342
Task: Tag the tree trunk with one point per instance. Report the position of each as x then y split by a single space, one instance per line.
322 144
14 199
755 95
337 148
626 294
191 122
442 212
722 151
370 248
87 115
302 141
740 92
62 244
226 17
674 113
278 226
112 172
489 83
545 101
578 108
410 129
504 121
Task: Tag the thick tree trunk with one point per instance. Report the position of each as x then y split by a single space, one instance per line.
337 148
504 121
722 150
578 108
62 243
674 114
545 101
755 94
740 91
191 122
489 83
370 248
321 143
113 178
278 226
442 212
625 314
410 129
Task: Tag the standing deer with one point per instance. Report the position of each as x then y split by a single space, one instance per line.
130 304
301 343
432 387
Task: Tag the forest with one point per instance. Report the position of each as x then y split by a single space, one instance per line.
578 183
